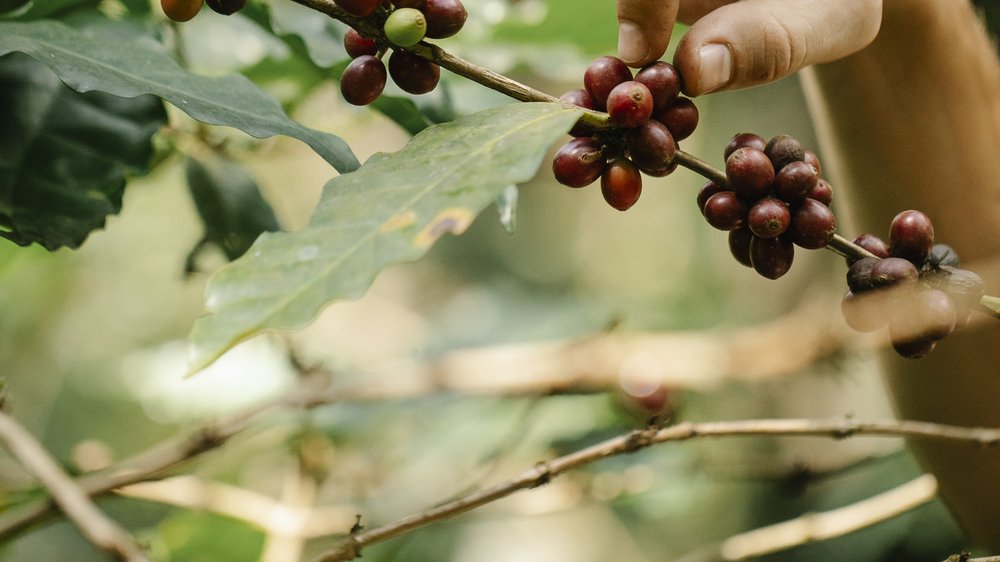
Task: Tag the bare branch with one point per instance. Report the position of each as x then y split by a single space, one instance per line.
97 527
543 472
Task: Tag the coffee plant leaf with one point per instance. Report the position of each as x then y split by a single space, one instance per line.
128 66
391 210
65 156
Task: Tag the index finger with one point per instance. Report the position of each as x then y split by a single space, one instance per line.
644 28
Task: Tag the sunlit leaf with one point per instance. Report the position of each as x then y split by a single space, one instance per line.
391 210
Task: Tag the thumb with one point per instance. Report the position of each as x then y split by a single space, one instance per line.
644 28
758 41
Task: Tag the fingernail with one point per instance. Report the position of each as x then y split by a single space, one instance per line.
714 67
632 46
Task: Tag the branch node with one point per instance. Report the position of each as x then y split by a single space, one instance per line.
640 439
544 475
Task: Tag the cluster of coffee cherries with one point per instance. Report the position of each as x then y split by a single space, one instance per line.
406 23
913 286
775 200
184 10
651 117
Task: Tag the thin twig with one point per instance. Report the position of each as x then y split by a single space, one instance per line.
543 472
74 502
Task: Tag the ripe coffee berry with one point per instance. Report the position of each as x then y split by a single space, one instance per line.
706 191
750 173
782 150
873 244
663 82
725 211
363 80
769 218
809 157
181 10
405 27
602 76
822 192
357 45
741 140
935 314
681 117
651 147
413 73
911 235
621 183
579 162
630 104
739 245
813 224
444 17
893 272
795 181
359 8
771 257
859 275
226 7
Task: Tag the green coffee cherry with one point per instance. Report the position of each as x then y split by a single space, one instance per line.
405 27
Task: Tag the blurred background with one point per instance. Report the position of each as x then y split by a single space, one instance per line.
92 344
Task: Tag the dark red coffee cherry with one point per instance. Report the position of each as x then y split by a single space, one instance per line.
909 347
357 45
651 147
769 218
822 192
873 244
741 140
893 272
412 73
750 173
771 257
359 8
579 162
621 183
663 82
226 7
859 275
911 235
444 17
363 80
630 104
579 98
809 157
782 150
813 224
795 181
739 245
602 76
706 191
681 117
863 313
725 211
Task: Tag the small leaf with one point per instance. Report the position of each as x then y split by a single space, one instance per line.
507 208
65 156
991 305
389 211
126 66
230 204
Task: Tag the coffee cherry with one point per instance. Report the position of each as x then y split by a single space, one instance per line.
579 162
706 191
356 44
725 211
181 10
621 183
405 27
893 272
630 104
782 150
651 146
750 173
226 7
444 17
662 80
739 245
863 313
681 117
809 157
859 275
965 287
360 8
941 254
741 140
602 76
579 98
363 80
911 235
873 244
795 181
813 224
935 314
910 348
413 73
822 192
771 257
769 218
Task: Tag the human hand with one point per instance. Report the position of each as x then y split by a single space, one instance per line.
736 44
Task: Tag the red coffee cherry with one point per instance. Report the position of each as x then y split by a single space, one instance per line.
357 45
771 257
769 218
725 211
630 104
813 224
413 73
444 17
579 162
363 80
662 80
911 235
681 117
621 183
602 76
740 140
651 147
739 245
750 173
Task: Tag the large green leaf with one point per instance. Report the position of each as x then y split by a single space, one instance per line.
391 210
127 66
65 156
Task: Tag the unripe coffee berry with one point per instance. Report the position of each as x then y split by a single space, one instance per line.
405 27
